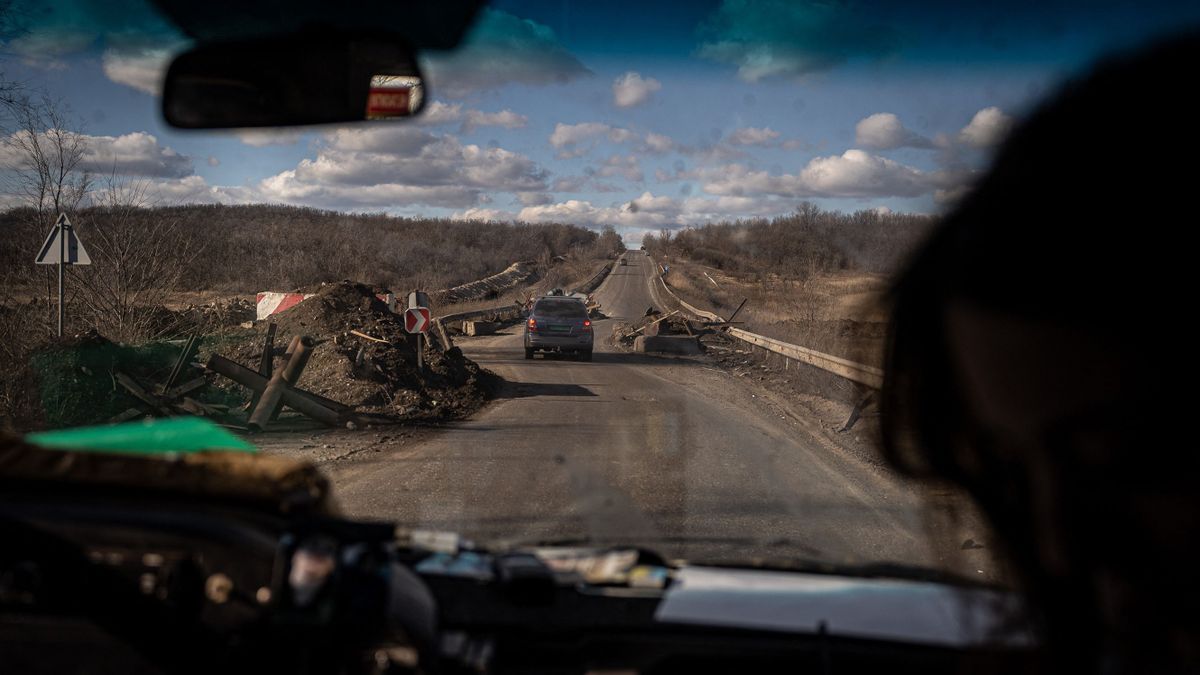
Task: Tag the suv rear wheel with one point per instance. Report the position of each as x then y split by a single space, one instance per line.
529 352
585 356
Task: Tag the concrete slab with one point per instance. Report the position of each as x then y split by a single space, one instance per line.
668 344
475 328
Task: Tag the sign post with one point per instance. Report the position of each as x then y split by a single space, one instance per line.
62 247
417 320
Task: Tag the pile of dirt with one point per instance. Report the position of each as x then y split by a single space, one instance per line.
378 375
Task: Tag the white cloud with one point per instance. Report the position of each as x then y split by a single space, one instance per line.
659 143
477 213
572 134
213 161
288 187
438 113
401 165
854 173
504 118
259 138
884 131
632 89
987 128
134 154
502 49
141 69
625 166
576 140
763 136
644 213
619 135
187 190
585 213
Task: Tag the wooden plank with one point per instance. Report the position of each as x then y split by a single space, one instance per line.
131 414
652 323
368 337
184 356
136 389
189 386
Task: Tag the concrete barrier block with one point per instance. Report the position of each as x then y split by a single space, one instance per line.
667 344
474 328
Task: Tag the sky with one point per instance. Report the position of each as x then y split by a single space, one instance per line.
639 115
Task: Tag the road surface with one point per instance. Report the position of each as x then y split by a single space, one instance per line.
666 452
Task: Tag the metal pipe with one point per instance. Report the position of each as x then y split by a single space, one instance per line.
272 396
255 382
299 352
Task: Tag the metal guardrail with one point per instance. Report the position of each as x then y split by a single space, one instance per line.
863 374
855 372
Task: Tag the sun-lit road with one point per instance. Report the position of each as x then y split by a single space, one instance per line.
632 448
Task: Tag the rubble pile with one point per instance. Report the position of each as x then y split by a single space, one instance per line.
653 323
364 358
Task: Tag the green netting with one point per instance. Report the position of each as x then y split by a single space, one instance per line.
77 382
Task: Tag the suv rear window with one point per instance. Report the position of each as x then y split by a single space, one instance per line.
562 309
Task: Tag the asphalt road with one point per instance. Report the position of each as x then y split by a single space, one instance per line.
665 452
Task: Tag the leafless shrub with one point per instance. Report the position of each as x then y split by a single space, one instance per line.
137 262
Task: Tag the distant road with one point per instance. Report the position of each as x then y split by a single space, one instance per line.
642 449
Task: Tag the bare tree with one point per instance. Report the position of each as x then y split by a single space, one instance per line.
138 259
44 155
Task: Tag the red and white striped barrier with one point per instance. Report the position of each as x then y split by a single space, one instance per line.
274 303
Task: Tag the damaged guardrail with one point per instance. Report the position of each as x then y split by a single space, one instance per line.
868 376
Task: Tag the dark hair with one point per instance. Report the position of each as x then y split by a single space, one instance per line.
1079 224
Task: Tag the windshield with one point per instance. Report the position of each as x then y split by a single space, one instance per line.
728 187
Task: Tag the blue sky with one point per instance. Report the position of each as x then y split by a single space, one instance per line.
641 115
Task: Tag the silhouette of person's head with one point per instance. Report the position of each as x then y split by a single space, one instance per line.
1036 342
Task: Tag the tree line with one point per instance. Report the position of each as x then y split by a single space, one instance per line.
808 242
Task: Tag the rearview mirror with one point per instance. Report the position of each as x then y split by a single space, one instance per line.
292 80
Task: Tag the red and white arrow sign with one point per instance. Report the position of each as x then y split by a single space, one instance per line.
416 319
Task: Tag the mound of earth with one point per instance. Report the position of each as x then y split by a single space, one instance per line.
377 375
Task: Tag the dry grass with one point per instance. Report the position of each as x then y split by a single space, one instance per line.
840 314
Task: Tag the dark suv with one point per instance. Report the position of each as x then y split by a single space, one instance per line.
559 324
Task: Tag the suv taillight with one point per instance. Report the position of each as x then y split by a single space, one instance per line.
532 324
587 325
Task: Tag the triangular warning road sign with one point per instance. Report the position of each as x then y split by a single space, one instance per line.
52 251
